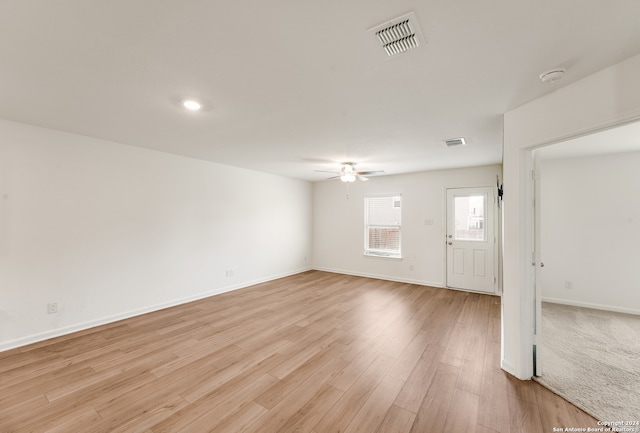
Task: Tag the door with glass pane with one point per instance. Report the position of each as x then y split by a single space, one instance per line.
470 239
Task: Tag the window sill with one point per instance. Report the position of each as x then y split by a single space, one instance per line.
383 255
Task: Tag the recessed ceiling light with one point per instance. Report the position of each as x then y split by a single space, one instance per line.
192 105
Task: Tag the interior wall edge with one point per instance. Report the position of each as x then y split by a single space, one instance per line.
575 109
59 332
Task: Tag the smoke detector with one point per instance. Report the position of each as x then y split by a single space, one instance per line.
552 75
399 35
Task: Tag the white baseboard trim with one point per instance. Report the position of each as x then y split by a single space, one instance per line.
58 332
511 369
381 277
613 308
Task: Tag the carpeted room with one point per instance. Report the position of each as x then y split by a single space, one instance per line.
591 304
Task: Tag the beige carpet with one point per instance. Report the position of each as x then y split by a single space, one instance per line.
592 358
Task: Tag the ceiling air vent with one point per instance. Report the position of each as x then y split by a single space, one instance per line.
455 142
399 35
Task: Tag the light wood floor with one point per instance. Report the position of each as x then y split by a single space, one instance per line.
316 352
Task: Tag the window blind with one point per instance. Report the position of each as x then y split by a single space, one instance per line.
383 225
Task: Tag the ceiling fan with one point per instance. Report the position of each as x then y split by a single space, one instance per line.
348 173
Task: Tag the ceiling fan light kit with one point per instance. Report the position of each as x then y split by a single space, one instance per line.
349 174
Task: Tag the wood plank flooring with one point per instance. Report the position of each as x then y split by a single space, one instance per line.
316 352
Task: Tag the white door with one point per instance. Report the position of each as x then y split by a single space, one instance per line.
470 239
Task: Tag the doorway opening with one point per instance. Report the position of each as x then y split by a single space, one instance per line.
586 225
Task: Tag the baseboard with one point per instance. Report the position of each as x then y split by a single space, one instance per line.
510 368
593 306
59 332
381 277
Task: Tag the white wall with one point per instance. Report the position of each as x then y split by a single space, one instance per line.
109 230
338 235
607 98
590 212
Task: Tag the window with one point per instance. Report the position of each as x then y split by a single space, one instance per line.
469 218
382 222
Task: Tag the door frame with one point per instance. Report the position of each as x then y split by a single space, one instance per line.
531 314
536 262
496 220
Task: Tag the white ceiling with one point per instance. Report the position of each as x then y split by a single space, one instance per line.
294 86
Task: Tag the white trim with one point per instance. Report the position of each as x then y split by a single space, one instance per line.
614 122
592 306
510 368
35 338
527 299
372 253
377 252
382 277
401 280
497 228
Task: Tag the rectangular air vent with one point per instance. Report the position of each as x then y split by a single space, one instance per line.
455 142
399 35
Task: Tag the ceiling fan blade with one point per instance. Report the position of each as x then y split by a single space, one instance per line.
333 177
369 173
362 178
327 171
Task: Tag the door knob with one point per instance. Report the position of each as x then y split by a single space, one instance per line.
450 243
541 264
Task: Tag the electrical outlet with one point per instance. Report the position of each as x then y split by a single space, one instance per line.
229 273
568 285
52 307
411 267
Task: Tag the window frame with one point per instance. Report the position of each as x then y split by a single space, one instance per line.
380 252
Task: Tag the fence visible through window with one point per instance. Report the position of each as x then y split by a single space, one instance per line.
383 225
384 238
